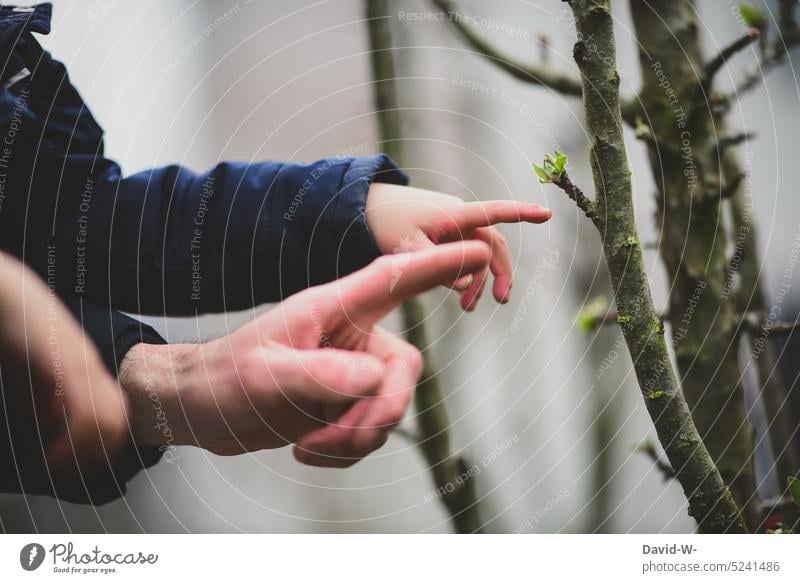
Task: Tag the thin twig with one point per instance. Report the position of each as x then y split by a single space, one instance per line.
775 56
786 20
532 73
715 64
663 466
756 324
728 190
729 141
407 434
575 193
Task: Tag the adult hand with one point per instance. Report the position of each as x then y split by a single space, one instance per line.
315 371
56 391
404 219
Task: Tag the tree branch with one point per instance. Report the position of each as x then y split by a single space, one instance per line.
731 188
460 499
648 449
786 19
575 193
715 64
756 324
536 74
731 140
775 54
710 501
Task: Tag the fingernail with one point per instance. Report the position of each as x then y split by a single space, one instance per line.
463 286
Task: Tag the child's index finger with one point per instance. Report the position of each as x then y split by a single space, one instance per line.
475 215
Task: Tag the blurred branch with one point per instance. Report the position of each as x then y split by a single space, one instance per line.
775 54
648 449
755 323
731 140
729 189
537 74
407 434
750 295
786 19
715 64
457 494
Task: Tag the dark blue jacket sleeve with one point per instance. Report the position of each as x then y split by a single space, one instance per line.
169 240
238 235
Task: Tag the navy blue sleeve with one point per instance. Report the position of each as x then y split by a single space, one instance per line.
236 236
169 240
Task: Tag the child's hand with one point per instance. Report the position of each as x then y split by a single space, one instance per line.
406 219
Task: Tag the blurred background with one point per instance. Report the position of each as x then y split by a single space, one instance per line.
549 415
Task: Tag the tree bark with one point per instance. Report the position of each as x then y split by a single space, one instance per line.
702 312
710 501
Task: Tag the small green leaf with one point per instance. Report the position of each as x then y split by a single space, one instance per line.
794 489
752 16
591 314
560 162
552 167
544 178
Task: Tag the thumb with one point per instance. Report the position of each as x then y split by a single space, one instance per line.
394 279
325 375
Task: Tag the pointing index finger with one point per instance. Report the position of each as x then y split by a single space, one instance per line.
392 280
475 215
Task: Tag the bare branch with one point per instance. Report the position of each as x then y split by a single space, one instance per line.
407 434
775 55
731 188
715 64
710 500
459 496
786 20
755 323
531 73
782 328
648 449
729 141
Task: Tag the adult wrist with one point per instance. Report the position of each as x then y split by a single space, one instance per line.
154 376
